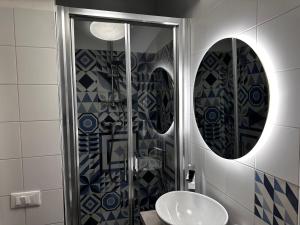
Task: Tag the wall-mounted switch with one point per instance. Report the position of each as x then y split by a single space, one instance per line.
25 199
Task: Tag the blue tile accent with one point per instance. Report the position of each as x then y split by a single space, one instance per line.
277 213
111 201
277 186
292 197
265 218
256 212
280 200
269 186
88 123
257 202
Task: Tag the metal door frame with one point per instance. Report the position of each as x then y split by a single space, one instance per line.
181 40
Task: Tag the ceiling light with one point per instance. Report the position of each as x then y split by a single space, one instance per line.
107 31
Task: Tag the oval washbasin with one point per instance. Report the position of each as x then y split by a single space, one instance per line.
189 208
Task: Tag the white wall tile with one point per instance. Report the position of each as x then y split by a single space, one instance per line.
199 37
279 38
10 216
215 24
8 67
34 28
9 99
248 160
240 184
288 100
50 212
39 102
233 178
7 26
195 63
37 65
196 137
249 37
203 7
236 212
48 5
42 172
269 9
215 170
40 138
10 141
10 176
280 154
198 159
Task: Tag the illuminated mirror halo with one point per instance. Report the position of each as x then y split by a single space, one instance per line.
161 115
231 98
107 31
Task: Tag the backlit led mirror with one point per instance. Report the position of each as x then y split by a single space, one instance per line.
231 98
162 113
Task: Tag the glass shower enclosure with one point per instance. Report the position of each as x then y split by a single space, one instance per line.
120 113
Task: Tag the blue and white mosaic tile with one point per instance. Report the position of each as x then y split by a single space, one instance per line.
276 200
104 202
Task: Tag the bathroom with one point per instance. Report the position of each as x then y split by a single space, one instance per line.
82 160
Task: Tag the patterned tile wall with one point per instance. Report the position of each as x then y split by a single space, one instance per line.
104 201
276 201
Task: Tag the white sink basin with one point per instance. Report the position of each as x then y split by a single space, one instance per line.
189 208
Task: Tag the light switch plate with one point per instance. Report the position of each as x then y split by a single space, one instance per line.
25 199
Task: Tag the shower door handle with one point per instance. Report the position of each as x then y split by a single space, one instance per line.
125 170
136 165
135 168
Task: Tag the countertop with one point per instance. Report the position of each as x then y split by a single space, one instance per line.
151 218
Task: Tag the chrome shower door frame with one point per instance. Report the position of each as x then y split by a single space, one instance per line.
65 32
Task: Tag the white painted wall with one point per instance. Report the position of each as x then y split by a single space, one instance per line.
272 29
30 153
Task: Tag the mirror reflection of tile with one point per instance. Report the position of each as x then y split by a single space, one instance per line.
214 99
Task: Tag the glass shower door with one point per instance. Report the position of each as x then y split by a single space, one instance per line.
152 91
102 121
125 117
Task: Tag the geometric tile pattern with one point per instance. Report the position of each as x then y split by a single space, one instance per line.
213 104
254 105
163 92
102 201
87 123
111 201
276 200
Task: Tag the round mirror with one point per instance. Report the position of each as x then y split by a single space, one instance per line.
162 113
231 98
